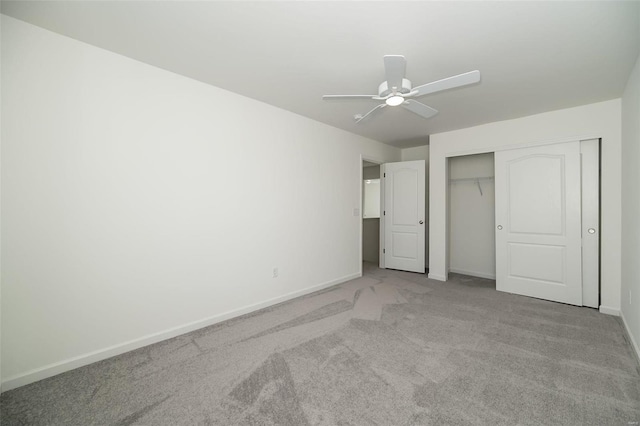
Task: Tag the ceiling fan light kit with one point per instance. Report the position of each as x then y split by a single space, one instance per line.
398 91
394 100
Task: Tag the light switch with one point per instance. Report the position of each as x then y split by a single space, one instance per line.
356 212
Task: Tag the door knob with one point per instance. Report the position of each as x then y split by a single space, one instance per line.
499 227
591 231
421 222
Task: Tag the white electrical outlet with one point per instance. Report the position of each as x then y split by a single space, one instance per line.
275 272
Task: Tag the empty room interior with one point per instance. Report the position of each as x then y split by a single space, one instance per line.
320 213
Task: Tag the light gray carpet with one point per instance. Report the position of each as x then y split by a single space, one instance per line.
390 348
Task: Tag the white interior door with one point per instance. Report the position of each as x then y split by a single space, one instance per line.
404 215
538 222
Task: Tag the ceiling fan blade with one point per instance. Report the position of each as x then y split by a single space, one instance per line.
448 83
339 97
378 108
394 67
419 108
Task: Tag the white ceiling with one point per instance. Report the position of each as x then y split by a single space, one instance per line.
533 56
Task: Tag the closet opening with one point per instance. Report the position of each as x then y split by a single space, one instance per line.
472 243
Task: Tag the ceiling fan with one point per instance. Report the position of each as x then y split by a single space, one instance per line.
397 90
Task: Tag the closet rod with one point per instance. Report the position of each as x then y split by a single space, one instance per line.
471 179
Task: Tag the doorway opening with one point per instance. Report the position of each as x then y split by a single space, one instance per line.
370 241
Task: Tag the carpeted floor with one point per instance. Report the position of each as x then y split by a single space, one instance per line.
390 348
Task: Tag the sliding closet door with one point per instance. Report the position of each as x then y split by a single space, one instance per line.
538 222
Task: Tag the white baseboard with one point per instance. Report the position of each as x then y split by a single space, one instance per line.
437 277
609 311
473 273
634 343
101 354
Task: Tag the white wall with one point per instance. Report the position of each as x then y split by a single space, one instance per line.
421 153
371 172
416 153
138 204
630 299
584 122
472 243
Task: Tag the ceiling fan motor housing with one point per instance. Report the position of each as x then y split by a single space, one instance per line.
384 90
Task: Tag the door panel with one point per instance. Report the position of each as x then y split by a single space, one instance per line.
404 202
404 245
539 262
538 223
531 210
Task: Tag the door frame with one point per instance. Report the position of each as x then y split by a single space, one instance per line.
445 190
